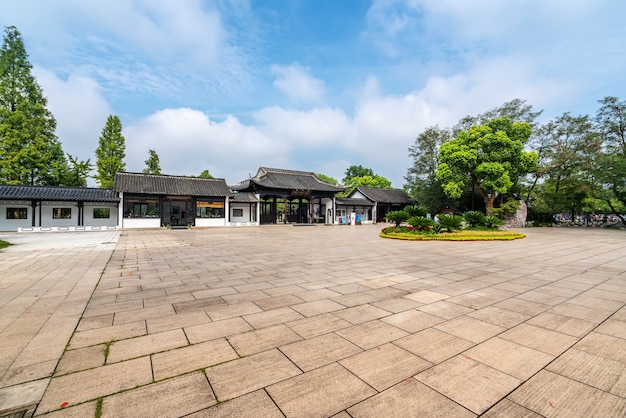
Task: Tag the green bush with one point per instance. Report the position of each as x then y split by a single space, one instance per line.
397 216
507 208
421 222
474 218
450 222
415 211
492 222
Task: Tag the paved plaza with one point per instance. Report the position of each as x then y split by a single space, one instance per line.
312 321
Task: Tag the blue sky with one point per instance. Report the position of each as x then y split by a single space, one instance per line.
314 85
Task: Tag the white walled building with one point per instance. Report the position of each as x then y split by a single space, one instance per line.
47 208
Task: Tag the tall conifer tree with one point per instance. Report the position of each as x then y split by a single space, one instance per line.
153 165
110 153
30 152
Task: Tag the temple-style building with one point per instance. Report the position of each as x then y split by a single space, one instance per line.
289 196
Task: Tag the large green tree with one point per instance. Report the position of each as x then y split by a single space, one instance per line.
110 153
517 110
421 179
153 165
356 171
490 158
357 175
564 162
77 172
608 175
30 152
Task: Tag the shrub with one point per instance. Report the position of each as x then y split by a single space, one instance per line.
492 222
421 222
507 208
474 218
450 222
416 211
397 216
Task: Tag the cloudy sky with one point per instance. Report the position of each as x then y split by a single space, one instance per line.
313 85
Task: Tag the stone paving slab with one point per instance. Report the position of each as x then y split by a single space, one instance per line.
391 364
571 399
273 321
170 398
469 383
410 397
319 351
319 393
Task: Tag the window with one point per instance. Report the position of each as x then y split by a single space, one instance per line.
62 213
213 209
138 207
17 213
101 213
237 213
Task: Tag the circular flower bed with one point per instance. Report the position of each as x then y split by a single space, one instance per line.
415 234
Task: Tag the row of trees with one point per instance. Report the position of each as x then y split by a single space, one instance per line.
30 152
571 164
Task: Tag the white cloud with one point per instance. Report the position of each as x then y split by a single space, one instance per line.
296 82
315 128
188 142
179 51
79 109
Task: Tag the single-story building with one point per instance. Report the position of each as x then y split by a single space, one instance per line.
48 208
244 209
154 200
383 200
290 196
352 210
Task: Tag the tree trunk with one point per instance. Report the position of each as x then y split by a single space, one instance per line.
489 204
489 198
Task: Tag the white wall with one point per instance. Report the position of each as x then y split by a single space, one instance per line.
245 217
141 222
89 220
13 224
46 215
211 222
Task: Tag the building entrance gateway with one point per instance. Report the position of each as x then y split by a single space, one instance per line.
178 211
290 196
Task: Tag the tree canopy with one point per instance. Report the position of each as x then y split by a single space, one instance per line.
606 163
30 152
421 179
360 176
356 171
110 153
328 179
205 175
490 158
153 166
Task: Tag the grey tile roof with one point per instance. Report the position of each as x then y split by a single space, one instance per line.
275 178
243 197
382 195
76 194
170 185
353 201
